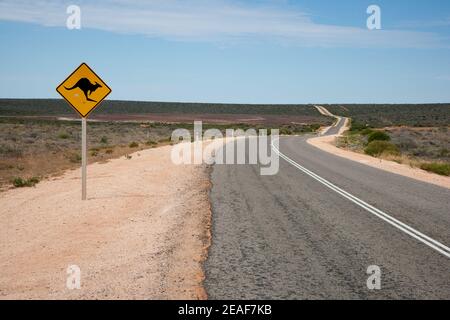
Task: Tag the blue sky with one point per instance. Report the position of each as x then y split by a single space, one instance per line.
265 51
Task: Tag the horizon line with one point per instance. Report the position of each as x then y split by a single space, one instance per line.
256 104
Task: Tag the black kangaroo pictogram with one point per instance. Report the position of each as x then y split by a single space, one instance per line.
85 85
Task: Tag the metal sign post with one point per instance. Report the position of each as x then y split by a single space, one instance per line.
83 90
83 158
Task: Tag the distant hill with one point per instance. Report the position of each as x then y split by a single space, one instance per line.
375 115
60 107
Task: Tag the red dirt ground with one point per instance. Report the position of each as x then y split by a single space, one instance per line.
209 118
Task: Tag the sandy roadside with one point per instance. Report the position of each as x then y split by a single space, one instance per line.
142 233
328 144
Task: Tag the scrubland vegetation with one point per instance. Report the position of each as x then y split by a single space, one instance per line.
425 148
32 149
386 115
20 107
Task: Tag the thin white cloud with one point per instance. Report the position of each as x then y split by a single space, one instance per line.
414 24
213 21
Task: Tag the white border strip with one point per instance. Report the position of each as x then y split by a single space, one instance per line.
380 214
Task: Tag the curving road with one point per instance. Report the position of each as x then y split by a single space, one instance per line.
291 236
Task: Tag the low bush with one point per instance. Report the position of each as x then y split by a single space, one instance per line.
285 131
378 136
63 135
74 157
133 144
366 131
377 148
436 167
356 126
151 143
19 182
444 152
168 139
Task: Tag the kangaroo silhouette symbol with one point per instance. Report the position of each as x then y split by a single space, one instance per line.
85 85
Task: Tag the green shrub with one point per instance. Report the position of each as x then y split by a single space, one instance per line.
378 136
33 180
355 126
63 135
439 168
151 143
286 131
377 148
444 152
74 157
104 140
133 144
315 126
367 131
168 139
20 182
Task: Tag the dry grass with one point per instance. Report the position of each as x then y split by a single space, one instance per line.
428 144
437 167
43 148
40 148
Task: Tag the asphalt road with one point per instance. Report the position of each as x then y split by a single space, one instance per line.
289 236
334 129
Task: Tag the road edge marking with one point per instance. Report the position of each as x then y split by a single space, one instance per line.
436 245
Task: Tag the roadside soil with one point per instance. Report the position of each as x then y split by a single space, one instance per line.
143 233
251 119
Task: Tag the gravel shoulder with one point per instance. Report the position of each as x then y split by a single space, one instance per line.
142 233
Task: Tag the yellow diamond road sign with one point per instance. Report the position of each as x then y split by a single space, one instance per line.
83 90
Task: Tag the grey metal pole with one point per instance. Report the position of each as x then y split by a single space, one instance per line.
83 158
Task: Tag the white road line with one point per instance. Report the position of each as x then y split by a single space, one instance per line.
380 214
